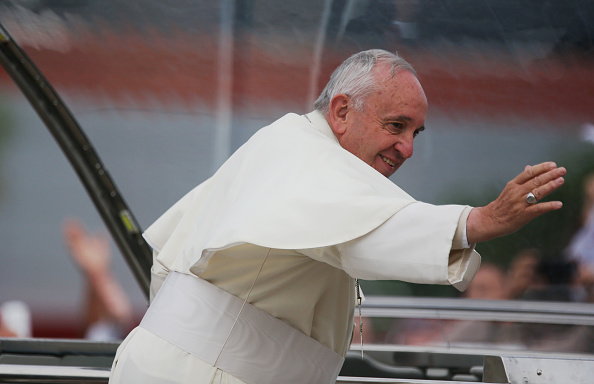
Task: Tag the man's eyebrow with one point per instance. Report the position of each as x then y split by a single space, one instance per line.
400 117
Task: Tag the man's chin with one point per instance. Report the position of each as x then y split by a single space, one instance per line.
387 172
393 170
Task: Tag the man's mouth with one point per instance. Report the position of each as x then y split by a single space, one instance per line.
388 161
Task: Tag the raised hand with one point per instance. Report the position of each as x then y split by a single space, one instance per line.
91 252
512 210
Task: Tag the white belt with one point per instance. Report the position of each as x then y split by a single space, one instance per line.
236 337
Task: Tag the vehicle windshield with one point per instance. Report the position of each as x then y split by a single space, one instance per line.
166 91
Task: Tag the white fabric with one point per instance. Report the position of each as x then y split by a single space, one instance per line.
293 190
373 256
146 358
236 337
291 186
311 296
465 243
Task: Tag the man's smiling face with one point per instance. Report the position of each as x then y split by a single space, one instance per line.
382 133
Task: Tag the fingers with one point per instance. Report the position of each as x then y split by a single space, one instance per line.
541 179
532 172
542 191
542 208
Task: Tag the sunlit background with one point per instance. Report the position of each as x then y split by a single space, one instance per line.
167 90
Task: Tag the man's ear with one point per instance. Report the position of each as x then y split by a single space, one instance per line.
339 109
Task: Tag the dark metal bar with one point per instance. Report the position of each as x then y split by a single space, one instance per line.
12 373
82 156
70 375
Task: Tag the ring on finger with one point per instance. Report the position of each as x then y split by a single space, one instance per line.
530 198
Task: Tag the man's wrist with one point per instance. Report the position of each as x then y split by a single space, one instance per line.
477 228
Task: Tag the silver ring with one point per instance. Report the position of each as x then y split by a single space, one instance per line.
530 198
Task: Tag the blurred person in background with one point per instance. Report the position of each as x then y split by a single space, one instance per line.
522 273
554 280
581 246
533 278
489 283
108 314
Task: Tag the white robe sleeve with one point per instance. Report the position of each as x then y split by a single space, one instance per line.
422 243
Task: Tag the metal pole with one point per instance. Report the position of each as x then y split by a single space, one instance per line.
82 156
222 146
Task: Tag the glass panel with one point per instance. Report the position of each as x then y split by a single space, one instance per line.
167 90
478 336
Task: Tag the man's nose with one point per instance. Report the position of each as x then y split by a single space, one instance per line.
405 146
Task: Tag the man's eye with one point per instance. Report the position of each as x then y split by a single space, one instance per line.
416 133
395 127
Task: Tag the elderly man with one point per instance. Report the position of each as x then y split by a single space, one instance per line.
254 279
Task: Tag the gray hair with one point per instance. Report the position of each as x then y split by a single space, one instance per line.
355 77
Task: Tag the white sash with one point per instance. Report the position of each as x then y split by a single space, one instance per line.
236 337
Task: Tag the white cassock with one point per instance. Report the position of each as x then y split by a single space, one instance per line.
285 225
